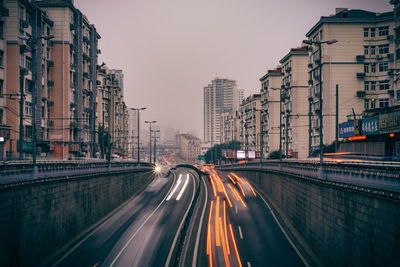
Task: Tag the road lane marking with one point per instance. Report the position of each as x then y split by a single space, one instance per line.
176 186
248 264
234 244
183 188
181 225
236 210
284 232
196 247
240 232
141 226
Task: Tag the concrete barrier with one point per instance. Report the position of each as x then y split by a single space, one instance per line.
38 218
343 225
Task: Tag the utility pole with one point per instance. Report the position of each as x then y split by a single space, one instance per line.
138 131
150 123
337 119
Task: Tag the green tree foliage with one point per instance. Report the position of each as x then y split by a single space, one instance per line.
214 154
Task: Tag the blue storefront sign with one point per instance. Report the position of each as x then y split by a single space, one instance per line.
346 129
370 126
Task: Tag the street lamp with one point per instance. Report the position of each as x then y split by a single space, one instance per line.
33 41
150 123
155 144
280 120
321 143
138 133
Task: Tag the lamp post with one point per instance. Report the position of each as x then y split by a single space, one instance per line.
150 123
321 142
280 121
138 131
155 144
36 45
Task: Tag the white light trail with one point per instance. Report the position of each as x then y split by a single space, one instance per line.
176 186
183 188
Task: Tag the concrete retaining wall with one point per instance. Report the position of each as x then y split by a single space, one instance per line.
37 219
344 227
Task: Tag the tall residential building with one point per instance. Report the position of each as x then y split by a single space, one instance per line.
295 131
74 52
270 101
250 122
220 96
358 63
396 64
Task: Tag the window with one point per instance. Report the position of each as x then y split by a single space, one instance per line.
383 31
366 50
373 86
383 49
366 103
366 68
373 50
366 86
21 60
28 108
1 30
28 63
366 31
398 95
1 87
384 85
384 66
384 103
373 103
1 58
373 67
373 31
29 86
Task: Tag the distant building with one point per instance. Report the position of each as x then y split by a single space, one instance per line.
250 118
220 96
189 148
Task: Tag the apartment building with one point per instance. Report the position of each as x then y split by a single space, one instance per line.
4 128
230 126
396 63
358 63
189 148
250 122
270 102
295 101
220 96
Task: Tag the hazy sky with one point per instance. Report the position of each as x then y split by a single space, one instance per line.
170 49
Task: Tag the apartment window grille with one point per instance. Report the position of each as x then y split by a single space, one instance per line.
384 66
373 67
28 108
366 103
21 60
373 50
383 49
373 32
366 68
373 86
366 86
383 102
384 85
366 32
366 50
384 31
28 131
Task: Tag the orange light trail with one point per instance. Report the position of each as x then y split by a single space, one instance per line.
251 188
234 244
213 186
226 232
241 189
238 197
233 192
233 181
209 230
217 238
223 243
227 196
218 183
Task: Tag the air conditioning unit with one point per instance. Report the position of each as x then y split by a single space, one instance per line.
360 58
288 69
360 75
360 93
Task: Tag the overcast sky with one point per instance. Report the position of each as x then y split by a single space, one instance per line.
170 49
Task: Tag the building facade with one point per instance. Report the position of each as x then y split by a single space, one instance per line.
220 96
358 64
189 148
295 101
250 123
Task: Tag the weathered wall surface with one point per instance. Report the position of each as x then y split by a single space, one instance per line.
37 219
343 226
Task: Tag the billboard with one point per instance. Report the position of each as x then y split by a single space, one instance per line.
240 154
346 129
370 126
389 122
251 154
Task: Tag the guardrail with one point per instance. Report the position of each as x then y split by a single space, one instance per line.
383 176
14 172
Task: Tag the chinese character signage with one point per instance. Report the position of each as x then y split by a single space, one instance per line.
346 129
389 122
370 126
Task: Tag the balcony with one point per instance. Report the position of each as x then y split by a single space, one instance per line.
360 75
72 26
